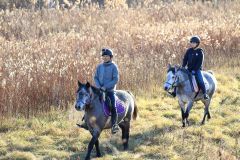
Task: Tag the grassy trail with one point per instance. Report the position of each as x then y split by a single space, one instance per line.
156 134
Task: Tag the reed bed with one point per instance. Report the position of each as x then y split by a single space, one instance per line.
43 53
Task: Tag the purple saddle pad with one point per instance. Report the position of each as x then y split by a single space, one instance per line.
119 105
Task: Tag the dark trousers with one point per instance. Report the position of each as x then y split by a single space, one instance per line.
199 78
111 95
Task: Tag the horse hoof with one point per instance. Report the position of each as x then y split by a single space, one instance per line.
202 123
87 158
125 148
99 155
183 125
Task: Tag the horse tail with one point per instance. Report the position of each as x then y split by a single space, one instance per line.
135 110
214 79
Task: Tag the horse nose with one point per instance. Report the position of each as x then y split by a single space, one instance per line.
165 88
76 107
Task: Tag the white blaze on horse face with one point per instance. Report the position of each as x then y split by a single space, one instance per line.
170 80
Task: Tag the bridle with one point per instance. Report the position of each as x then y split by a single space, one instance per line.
174 84
87 102
90 95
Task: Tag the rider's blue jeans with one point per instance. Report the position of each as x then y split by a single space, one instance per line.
199 78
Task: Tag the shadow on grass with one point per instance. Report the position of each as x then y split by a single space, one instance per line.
112 147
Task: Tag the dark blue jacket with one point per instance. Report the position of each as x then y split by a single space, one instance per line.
193 58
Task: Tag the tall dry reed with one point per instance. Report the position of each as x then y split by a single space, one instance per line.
44 53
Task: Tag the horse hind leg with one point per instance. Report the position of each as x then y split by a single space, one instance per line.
125 134
206 111
183 118
189 107
209 116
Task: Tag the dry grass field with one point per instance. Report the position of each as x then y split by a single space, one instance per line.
156 134
43 54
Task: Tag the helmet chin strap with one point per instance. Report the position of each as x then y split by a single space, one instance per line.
196 46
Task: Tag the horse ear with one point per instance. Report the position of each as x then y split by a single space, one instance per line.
79 84
169 66
88 85
176 68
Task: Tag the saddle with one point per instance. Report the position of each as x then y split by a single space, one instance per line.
106 104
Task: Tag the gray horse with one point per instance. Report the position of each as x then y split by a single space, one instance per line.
89 99
178 77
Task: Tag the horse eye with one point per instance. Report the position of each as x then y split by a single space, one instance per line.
173 76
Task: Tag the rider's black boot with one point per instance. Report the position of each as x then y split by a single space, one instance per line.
206 97
115 127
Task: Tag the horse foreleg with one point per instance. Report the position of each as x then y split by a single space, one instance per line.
183 117
206 111
93 141
98 149
189 107
183 112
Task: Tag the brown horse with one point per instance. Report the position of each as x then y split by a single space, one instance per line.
89 99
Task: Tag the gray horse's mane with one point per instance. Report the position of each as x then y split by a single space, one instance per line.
172 69
96 91
184 70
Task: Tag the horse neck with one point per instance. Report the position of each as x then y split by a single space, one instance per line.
184 79
95 114
95 106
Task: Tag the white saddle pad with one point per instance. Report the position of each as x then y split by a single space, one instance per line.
195 86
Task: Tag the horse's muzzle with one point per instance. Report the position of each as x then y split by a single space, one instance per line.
78 108
165 88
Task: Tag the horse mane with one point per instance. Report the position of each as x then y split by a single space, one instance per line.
96 90
184 70
172 69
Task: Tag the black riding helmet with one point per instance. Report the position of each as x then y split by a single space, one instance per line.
107 51
195 39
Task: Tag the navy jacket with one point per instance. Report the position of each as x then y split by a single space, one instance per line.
193 59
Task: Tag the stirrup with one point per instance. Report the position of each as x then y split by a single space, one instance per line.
84 126
115 128
206 97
